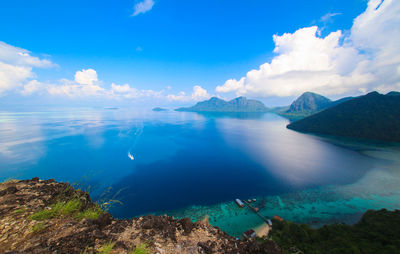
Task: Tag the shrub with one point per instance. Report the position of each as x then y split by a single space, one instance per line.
141 249
107 248
64 209
37 228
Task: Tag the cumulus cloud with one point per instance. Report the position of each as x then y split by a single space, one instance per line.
87 85
143 7
181 96
198 94
16 66
86 77
16 75
128 92
366 59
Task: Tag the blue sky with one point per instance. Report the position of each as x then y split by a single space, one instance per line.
172 46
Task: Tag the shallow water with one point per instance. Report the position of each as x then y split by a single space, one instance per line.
189 164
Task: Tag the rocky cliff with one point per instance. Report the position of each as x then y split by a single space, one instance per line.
44 216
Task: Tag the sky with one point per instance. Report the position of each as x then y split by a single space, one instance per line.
176 52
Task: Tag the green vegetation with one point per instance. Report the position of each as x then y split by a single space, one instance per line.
71 208
377 232
372 116
307 104
37 228
107 248
90 213
141 249
240 104
19 211
158 109
106 200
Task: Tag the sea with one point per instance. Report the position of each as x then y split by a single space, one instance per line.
186 164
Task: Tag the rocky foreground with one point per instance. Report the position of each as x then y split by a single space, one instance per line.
44 216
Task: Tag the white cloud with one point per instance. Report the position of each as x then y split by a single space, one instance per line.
86 77
72 89
366 59
181 96
128 92
16 66
85 84
21 57
198 94
143 7
32 87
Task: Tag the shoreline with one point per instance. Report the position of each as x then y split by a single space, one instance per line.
45 216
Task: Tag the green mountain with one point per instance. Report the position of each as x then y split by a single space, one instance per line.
240 104
393 93
307 104
372 116
158 109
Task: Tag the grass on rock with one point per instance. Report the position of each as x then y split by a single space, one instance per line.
72 208
141 249
107 248
37 228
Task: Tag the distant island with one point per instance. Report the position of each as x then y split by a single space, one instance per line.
240 104
307 104
373 116
158 109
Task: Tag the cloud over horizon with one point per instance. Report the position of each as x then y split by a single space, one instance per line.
352 62
87 85
16 66
198 93
366 59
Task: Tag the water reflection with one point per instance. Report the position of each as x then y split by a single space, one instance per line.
197 163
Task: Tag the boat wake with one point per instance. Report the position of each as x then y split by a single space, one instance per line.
136 135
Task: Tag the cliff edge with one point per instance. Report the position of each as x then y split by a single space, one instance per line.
45 216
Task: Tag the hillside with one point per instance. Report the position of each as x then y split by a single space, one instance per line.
308 104
240 104
39 216
377 232
372 116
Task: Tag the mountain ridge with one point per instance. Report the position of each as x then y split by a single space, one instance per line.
307 104
239 104
372 116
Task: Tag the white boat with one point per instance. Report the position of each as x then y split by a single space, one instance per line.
239 202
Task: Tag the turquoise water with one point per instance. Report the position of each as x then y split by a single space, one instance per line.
189 164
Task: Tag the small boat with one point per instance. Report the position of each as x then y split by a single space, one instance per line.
130 156
239 203
249 200
249 234
254 200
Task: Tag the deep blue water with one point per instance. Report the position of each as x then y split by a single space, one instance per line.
189 164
